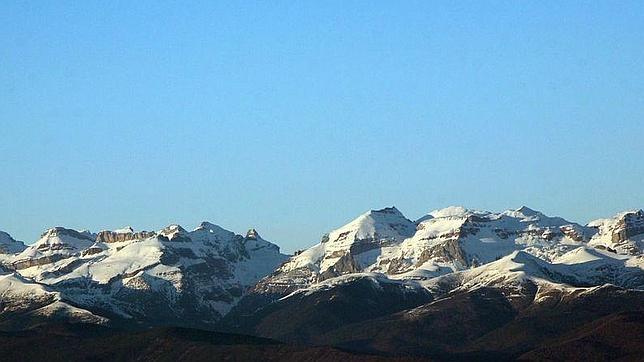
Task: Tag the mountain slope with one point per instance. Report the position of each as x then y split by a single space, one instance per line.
25 304
64 342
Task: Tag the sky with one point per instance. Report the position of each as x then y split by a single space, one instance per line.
294 117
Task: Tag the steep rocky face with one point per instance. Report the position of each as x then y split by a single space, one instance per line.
623 233
629 225
107 236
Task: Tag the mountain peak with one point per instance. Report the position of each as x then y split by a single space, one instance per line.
173 228
450 211
392 210
208 225
9 245
622 232
61 231
528 211
175 232
527 214
125 230
252 234
387 223
620 217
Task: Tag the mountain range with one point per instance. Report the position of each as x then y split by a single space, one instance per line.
454 284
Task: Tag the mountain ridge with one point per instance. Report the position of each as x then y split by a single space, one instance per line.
380 269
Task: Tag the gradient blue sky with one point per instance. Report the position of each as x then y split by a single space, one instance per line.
294 117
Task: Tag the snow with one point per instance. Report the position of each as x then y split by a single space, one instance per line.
130 259
375 278
607 228
386 223
125 230
14 284
580 267
58 241
309 258
202 264
451 211
578 256
609 222
60 310
376 227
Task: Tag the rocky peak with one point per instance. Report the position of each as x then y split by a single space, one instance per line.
59 231
211 228
175 232
206 225
125 230
9 245
633 222
375 225
621 227
252 234
392 210
107 236
173 228
528 211
210 233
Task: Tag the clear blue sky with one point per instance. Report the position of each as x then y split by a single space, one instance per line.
294 117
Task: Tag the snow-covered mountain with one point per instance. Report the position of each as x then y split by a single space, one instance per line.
379 263
623 233
455 282
349 249
26 303
443 242
169 277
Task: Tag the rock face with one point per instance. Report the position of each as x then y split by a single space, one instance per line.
623 233
171 277
116 237
9 245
